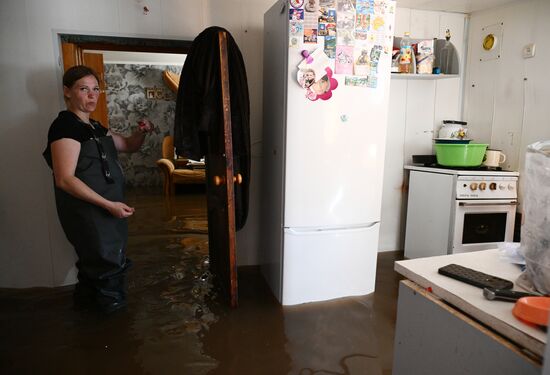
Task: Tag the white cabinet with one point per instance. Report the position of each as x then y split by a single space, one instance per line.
402 21
424 24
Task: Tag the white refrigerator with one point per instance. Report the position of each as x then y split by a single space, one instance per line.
322 167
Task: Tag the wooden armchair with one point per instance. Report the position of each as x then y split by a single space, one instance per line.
173 175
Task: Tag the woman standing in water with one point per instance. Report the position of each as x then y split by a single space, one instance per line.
89 191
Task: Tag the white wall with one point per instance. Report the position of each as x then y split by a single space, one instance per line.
417 108
33 248
506 99
245 20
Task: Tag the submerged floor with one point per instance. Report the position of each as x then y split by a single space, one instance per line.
177 323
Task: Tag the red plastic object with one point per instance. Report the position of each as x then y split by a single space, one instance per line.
533 310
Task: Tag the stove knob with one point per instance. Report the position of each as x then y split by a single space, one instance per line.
473 186
493 186
501 186
511 187
482 186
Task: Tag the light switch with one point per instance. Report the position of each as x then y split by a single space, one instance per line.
529 50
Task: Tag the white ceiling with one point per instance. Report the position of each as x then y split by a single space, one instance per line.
461 6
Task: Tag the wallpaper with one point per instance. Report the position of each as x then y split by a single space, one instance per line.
135 92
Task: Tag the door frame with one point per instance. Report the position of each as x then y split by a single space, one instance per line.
122 43
81 42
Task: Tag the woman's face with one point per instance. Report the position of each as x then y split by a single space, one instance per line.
83 94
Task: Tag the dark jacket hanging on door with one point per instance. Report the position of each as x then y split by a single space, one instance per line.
199 112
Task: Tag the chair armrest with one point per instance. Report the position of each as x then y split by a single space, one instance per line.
166 165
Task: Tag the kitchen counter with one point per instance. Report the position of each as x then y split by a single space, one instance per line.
469 172
470 333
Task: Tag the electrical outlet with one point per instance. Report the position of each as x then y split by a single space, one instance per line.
529 50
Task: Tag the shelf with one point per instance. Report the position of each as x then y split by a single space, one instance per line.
423 76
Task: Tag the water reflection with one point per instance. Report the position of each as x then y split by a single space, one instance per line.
177 323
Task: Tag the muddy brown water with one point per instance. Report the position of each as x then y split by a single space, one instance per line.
178 323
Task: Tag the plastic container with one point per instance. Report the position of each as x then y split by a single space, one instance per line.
446 56
533 310
462 141
406 55
535 231
460 155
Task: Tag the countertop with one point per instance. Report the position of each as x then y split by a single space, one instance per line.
494 314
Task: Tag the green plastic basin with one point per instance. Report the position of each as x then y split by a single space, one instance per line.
460 155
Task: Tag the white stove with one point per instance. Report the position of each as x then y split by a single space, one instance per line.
459 210
486 187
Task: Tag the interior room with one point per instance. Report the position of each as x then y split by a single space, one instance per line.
178 319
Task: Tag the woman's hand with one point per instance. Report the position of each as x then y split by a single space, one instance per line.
119 210
133 142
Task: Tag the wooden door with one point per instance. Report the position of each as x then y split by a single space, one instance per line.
74 55
95 61
220 192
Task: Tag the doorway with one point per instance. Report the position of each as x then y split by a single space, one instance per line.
87 50
83 49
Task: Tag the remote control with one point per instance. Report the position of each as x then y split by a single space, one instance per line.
475 278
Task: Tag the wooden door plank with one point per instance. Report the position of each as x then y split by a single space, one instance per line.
229 173
72 55
95 61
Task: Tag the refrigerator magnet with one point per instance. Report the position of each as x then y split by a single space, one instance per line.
322 89
295 33
344 60
362 62
310 36
311 6
327 3
296 3
316 60
330 46
306 77
370 81
296 14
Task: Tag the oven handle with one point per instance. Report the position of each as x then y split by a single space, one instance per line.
486 203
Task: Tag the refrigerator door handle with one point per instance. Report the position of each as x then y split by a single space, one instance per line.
299 231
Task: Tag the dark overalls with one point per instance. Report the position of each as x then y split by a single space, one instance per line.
98 238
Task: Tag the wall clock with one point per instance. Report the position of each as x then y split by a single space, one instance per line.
489 42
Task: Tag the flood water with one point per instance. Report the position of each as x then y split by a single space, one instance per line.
178 323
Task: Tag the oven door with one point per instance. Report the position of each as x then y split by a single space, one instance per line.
483 224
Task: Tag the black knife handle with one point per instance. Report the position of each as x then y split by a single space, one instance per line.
505 294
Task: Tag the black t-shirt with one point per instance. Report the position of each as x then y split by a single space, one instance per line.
68 125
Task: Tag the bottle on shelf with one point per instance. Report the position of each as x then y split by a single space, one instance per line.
406 55
446 56
436 68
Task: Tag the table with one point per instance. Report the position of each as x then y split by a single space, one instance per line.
445 326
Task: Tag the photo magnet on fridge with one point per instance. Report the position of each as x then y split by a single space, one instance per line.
296 14
295 33
310 36
322 89
330 46
311 6
316 60
315 75
344 60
